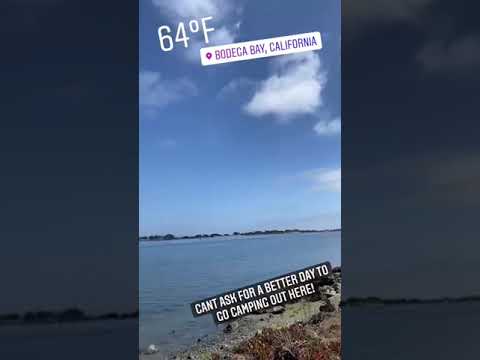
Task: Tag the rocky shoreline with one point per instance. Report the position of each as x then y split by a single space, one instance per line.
308 328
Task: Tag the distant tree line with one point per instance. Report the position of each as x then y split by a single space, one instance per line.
405 301
67 315
250 233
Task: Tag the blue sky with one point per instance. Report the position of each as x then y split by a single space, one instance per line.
246 145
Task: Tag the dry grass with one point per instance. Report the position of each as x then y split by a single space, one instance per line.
296 342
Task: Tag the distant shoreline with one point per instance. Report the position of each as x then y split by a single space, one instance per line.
168 237
353 301
71 315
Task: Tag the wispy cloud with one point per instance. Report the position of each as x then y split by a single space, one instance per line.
233 87
324 179
156 92
328 127
294 88
168 143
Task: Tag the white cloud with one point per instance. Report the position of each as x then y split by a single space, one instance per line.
189 9
223 36
325 179
155 92
328 127
294 88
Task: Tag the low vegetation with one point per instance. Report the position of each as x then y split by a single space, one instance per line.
296 342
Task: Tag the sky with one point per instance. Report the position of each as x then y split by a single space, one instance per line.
241 146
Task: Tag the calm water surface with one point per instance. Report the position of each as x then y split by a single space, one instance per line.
175 273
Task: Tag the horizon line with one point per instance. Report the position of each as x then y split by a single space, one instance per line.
236 233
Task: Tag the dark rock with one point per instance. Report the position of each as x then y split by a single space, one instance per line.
329 292
337 269
284 354
278 309
152 349
325 280
328 307
259 311
315 319
316 296
228 329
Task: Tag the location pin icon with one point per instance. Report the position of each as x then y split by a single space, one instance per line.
209 55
